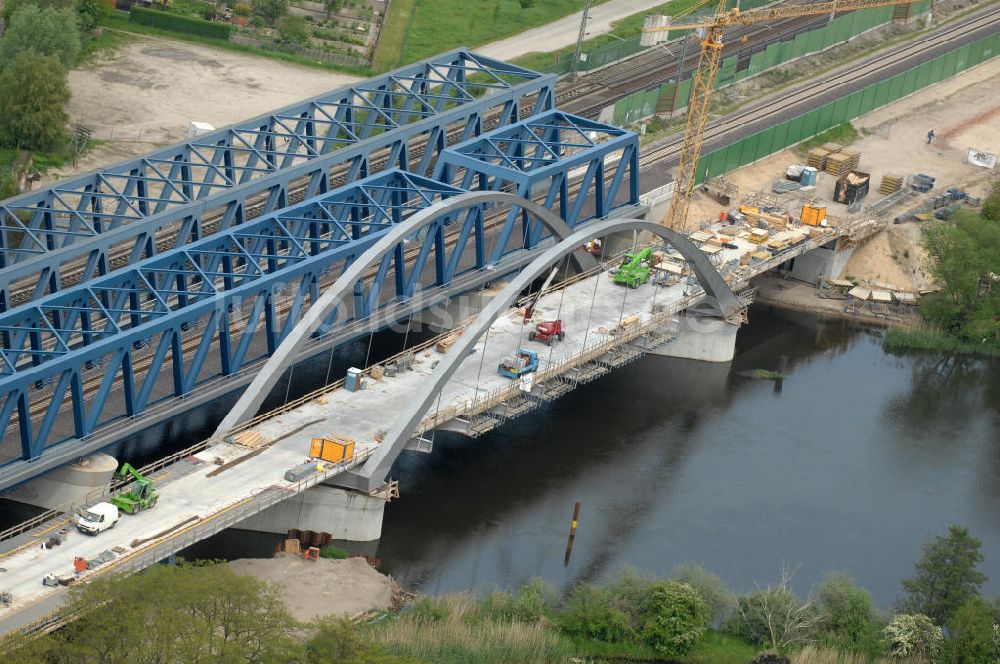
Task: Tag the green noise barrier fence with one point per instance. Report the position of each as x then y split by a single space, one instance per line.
672 96
776 138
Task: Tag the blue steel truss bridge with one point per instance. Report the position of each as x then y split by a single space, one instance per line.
130 295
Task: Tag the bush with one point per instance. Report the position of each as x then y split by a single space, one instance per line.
293 30
177 23
849 615
912 635
710 587
773 617
590 613
675 618
332 552
972 633
272 10
531 601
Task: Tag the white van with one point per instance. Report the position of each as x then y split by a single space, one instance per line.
100 517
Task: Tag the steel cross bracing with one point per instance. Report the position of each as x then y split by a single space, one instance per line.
90 225
538 157
111 347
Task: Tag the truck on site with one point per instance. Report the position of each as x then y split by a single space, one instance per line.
141 493
522 362
97 518
547 332
634 269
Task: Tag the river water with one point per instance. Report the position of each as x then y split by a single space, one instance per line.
850 463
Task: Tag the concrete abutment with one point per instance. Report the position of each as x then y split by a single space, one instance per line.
346 515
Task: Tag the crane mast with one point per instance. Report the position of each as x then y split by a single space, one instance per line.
703 81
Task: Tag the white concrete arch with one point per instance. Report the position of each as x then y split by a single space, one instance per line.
377 466
284 355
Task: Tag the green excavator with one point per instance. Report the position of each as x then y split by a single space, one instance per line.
140 495
633 270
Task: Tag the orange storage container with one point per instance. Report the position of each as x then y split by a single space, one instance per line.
812 215
333 450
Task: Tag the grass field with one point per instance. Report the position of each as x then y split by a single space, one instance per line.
624 28
844 134
418 29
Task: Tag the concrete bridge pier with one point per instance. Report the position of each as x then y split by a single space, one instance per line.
699 337
345 514
70 483
826 262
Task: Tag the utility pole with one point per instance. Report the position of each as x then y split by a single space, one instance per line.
579 39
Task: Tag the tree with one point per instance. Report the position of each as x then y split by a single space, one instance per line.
33 97
913 635
710 587
89 13
991 206
293 30
674 618
964 254
946 575
271 10
848 613
774 616
185 613
11 6
972 631
48 31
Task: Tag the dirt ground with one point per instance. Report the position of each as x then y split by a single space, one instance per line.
314 588
145 95
963 115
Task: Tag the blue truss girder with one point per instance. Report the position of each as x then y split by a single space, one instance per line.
208 309
347 134
536 158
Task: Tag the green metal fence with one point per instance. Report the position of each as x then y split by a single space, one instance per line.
776 138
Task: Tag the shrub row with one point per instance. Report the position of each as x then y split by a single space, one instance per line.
178 23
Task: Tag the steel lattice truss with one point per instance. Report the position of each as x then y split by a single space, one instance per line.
537 157
93 224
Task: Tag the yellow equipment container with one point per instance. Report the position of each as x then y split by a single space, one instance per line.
334 450
813 214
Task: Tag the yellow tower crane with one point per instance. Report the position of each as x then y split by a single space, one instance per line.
708 67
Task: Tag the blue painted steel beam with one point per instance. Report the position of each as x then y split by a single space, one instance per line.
114 217
537 157
194 313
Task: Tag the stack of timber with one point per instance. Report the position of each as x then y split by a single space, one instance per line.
891 183
843 161
448 340
250 439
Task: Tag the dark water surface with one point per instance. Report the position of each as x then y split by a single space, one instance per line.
849 464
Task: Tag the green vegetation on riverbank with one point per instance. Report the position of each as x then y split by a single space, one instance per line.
190 614
965 315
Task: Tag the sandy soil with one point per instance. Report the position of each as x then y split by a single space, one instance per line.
314 588
791 294
145 95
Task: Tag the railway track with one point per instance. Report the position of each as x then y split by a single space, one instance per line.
656 66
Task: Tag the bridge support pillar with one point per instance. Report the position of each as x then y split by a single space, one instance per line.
822 263
700 338
69 483
347 515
